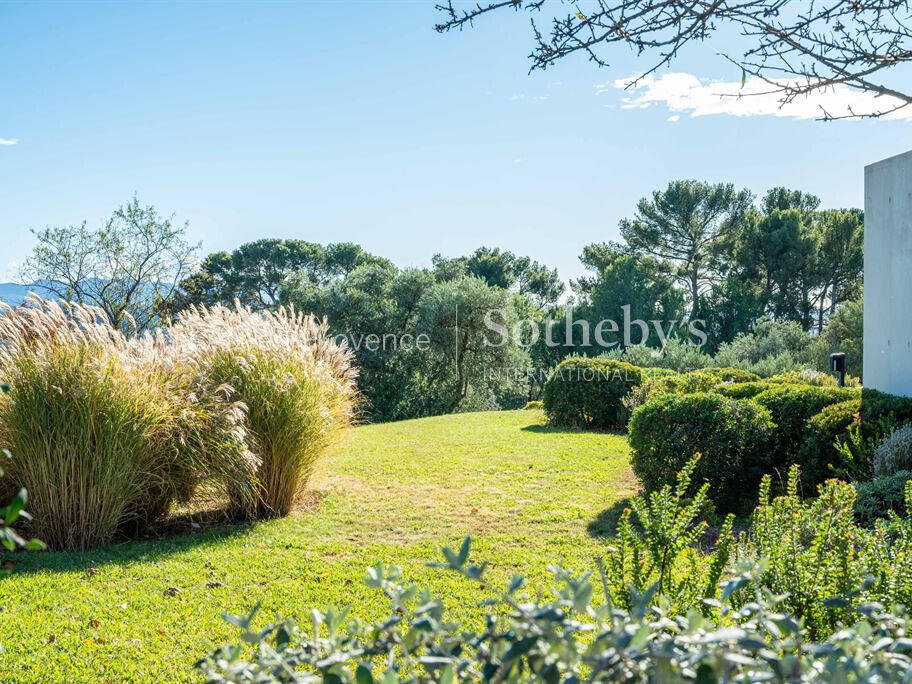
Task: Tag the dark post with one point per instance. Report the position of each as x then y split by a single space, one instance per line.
838 366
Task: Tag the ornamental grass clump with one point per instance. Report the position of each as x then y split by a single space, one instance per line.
106 431
297 384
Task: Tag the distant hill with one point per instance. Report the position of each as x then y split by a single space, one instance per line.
14 293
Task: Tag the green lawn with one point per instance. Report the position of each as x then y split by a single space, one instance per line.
397 492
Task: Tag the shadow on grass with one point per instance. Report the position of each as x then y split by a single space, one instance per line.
558 429
177 533
605 523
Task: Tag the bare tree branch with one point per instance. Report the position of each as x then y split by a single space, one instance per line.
797 47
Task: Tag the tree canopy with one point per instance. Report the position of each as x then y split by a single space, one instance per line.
129 267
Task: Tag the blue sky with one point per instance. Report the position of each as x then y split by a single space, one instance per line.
357 122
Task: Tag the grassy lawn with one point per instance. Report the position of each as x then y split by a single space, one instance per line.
529 495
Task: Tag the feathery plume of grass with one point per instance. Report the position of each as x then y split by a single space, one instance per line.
103 429
298 386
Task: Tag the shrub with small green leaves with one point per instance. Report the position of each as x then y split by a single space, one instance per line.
728 374
881 412
533 406
821 454
791 407
686 383
585 392
747 634
731 435
742 390
657 543
876 498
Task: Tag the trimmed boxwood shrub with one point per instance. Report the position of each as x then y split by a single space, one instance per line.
703 380
791 407
732 374
587 392
875 498
684 383
742 390
731 435
881 412
819 457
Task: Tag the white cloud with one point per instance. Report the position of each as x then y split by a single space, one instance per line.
674 118
683 92
8 141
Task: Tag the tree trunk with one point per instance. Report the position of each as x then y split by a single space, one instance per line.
820 309
694 294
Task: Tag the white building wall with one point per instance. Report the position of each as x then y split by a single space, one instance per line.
888 275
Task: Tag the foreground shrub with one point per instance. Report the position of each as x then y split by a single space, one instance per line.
894 453
585 392
731 435
99 435
657 544
9 515
297 384
739 629
878 497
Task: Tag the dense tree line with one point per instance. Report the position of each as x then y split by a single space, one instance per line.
699 266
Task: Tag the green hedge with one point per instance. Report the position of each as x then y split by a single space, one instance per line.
881 412
732 374
819 457
684 383
860 424
742 390
703 380
587 392
791 407
731 435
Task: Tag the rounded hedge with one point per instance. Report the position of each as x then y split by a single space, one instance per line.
791 407
703 380
688 383
818 455
742 390
727 374
881 412
587 392
731 435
